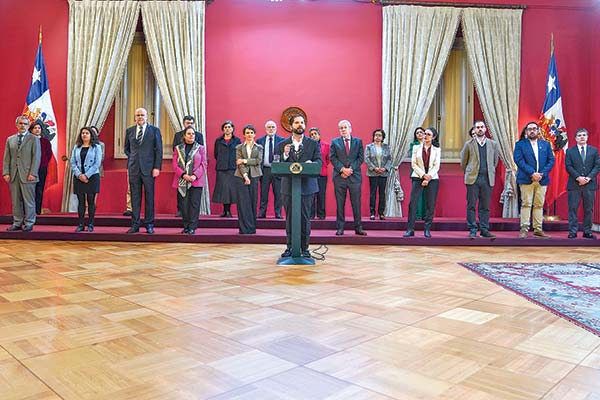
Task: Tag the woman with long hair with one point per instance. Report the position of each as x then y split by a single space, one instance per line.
85 163
425 163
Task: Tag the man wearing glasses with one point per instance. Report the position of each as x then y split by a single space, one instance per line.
535 160
22 157
479 158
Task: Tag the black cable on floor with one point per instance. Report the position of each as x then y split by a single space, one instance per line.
320 255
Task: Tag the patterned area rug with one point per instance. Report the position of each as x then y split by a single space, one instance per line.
571 291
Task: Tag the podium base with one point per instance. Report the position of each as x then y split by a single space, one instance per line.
296 261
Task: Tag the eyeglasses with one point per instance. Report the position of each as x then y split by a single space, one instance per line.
534 128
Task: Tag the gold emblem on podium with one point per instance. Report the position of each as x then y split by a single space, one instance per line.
296 168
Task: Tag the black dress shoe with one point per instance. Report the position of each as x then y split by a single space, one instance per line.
262 216
27 228
305 254
286 253
372 217
323 217
185 230
381 217
588 235
339 232
427 233
409 233
133 229
473 234
228 214
487 234
572 235
13 228
191 231
360 232
223 214
79 228
91 228
127 213
150 229
278 216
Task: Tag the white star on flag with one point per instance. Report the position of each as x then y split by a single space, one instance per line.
551 84
35 76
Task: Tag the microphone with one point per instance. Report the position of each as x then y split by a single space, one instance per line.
298 153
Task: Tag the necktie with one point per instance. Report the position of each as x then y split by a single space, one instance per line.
582 152
347 142
140 132
270 149
20 141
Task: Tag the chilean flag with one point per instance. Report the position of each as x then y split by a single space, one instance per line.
554 130
39 107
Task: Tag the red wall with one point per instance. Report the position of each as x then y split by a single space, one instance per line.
324 56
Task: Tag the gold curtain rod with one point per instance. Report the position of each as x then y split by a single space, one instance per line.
442 4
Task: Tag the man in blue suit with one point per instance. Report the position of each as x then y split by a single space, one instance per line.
299 148
270 142
583 164
143 146
346 154
535 159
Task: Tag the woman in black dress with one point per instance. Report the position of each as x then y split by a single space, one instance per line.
224 153
86 158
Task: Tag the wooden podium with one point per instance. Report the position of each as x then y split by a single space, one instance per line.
295 171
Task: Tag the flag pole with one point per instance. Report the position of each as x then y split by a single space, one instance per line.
40 36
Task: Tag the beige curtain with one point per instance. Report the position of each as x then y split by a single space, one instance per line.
100 35
416 44
493 40
175 41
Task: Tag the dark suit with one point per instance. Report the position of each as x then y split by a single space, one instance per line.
247 195
178 139
267 180
340 159
310 152
577 167
20 161
143 157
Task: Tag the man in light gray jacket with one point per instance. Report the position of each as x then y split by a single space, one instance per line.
479 158
22 157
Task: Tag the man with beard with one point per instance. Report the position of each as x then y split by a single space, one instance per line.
479 158
299 148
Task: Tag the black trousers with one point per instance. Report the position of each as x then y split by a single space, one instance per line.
39 189
377 184
190 207
341 187
479 191
574 198
305 207
318 205
137 182
430 194
82 198
247 196
266 181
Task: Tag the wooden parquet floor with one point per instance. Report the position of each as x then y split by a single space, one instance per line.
91 320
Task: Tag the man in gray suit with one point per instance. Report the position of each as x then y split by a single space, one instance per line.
479 158
22 157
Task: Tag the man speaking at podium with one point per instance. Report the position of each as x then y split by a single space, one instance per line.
299 148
